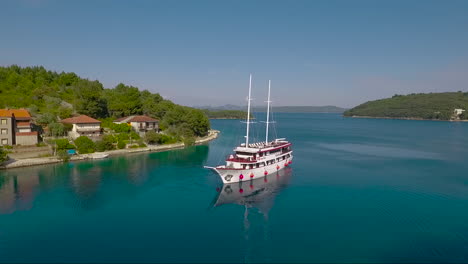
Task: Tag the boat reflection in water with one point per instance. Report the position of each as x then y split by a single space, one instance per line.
256 194
259 193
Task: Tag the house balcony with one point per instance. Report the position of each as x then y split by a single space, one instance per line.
88 129
148 128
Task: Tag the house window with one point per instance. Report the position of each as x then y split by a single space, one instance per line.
4 121
4 141
4 131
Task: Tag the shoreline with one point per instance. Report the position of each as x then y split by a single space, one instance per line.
212 134
405 118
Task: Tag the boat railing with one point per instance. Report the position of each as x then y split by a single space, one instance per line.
239 159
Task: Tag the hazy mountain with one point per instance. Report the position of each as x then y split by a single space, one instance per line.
280 109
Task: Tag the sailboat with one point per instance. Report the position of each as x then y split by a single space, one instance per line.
253 160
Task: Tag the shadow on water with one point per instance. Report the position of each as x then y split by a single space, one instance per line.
83 181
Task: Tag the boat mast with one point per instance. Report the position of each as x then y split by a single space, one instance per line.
248 113
268 112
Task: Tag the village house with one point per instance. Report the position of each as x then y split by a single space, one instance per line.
458 112
83 125
140 123
16 128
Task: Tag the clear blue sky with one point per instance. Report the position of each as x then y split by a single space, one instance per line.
201 52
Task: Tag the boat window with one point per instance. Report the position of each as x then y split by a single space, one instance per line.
251 166
274 151
243 166
258 165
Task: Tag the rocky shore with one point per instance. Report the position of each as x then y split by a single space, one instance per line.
12 163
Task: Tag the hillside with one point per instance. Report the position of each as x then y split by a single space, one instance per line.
51 96
437 106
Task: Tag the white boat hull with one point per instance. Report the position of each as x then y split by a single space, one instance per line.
259 192
99 155
238 175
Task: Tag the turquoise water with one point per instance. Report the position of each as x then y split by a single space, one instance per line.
359 190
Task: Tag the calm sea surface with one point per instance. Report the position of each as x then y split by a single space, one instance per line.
359 190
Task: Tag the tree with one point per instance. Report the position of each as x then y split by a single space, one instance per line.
3 155
56 129
123 100
149 103
107 143
65 112
63 155
89 99
46 118
102 145
198 122
189 141
152 137
120 128
84 145
186 121
63 143
121 144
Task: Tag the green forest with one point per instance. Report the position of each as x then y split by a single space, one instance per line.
51 96
438 106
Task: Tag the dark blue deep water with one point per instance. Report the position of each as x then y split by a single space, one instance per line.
359 190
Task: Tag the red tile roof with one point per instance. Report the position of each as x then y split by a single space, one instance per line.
82 119
143 118
19 113
23 124
26 133
140 118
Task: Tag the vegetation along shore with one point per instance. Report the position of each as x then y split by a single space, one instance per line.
10 164
64 114
448 106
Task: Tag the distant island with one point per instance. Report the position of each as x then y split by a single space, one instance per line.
234 109
225 114
303 109
431 106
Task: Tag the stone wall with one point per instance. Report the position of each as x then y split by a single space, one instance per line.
25 140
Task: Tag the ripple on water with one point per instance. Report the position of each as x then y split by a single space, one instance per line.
381 151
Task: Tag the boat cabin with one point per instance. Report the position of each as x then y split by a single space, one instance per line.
259 154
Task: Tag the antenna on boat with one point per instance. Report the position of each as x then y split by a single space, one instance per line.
248 113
